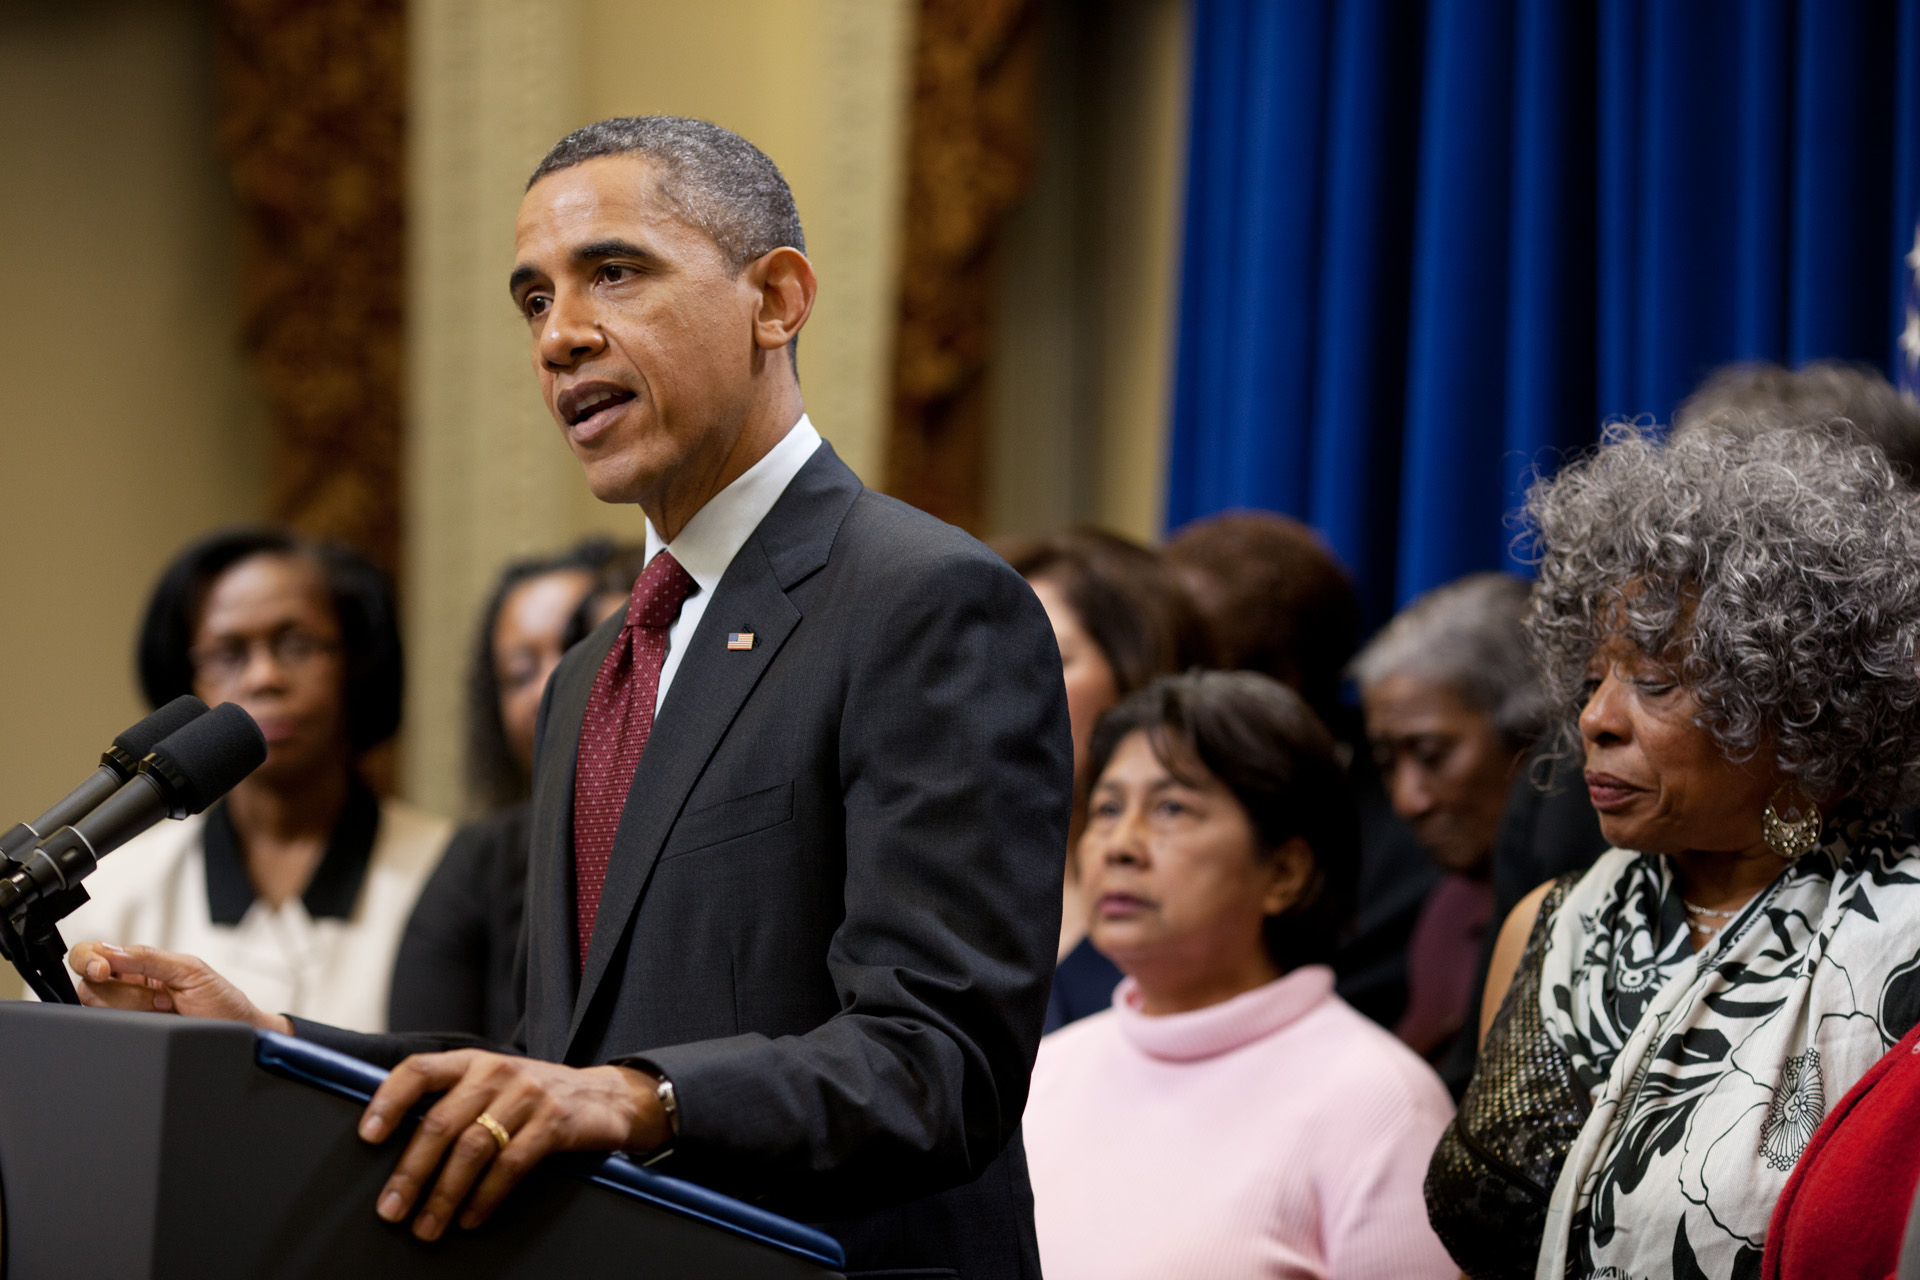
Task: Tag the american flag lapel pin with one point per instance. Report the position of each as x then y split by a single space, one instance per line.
739 639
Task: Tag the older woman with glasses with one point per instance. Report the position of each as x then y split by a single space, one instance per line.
298 884
1730 621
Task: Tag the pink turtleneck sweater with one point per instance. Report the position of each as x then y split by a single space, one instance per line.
1277 1134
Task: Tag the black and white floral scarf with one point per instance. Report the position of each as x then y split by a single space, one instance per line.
1710 1071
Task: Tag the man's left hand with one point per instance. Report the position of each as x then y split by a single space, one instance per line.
542 1106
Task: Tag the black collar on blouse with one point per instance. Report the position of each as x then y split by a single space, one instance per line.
336 883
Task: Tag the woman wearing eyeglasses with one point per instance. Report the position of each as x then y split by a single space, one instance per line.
298 884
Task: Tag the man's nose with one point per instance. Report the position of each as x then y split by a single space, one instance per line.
569 332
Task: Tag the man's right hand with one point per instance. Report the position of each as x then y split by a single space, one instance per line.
155 981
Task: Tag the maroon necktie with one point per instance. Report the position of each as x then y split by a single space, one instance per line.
615 729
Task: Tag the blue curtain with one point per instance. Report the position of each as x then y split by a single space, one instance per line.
1429 248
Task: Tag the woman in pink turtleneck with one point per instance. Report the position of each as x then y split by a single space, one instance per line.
1230 1116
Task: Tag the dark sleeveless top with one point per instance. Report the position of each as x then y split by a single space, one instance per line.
1493 1173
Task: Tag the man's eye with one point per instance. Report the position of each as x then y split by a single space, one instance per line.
536 304
614 272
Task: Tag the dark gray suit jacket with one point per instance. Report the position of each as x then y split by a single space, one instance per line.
833 899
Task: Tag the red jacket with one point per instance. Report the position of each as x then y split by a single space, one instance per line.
1843 1213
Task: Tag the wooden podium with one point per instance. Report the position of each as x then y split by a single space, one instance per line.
136 1146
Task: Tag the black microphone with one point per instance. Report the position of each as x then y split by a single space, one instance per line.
195 766
118 764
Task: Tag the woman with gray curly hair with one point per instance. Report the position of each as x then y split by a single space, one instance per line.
1730 620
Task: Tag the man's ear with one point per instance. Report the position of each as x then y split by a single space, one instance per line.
786 284
1291 872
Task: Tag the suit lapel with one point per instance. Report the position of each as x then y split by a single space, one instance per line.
706 694
551 954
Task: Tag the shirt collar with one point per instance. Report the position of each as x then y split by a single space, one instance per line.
709 542
335 886
1218 1028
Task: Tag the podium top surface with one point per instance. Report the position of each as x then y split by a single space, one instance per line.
349 1077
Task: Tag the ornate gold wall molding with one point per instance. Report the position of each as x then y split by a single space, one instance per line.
972 151
312 121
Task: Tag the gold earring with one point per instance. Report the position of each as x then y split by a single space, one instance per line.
1791 822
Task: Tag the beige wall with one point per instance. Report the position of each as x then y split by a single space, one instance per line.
1083 324
820 85
127 422
1143 98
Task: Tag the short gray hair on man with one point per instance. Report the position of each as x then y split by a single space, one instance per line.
1850 400
1776 571
715 179
1470 638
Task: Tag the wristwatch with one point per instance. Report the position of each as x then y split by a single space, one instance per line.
669 1103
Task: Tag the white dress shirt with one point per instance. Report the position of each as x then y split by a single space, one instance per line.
710 541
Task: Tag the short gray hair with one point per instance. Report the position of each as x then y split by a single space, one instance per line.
1779 568
1852 401
1470 638
715 179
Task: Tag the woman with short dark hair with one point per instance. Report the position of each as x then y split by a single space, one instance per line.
372 667
1120 618
456 958
522 635
1228 1116
1278 601
298 883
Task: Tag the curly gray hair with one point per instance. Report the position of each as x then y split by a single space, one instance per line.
1469 637
1781 568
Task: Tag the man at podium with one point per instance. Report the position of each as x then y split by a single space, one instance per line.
799 812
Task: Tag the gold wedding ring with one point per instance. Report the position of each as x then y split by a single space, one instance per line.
494 1127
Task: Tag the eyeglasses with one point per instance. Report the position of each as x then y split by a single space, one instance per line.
291 650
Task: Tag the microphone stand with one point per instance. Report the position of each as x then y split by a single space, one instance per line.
31 942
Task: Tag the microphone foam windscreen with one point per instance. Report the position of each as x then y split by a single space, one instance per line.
206 759
161 725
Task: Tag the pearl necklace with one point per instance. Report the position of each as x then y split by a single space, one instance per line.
1714 930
